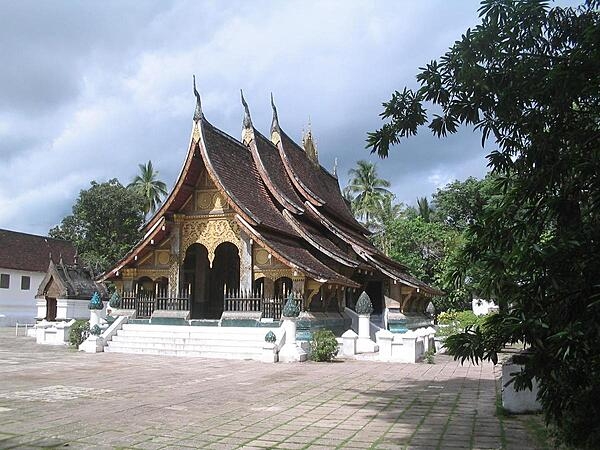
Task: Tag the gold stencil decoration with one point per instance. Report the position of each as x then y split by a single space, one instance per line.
173 275
153 274
162 257
261 256
275 138
211 233
210 201
273 274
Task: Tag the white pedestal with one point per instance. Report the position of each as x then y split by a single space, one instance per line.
93 344
291 352
364 343
349 343
269 353
384 341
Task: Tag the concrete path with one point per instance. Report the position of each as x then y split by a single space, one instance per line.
53 396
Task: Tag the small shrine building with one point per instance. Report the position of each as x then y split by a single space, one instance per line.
248 222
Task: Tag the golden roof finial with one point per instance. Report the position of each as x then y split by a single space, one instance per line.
309 145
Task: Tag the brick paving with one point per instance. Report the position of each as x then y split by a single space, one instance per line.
52 396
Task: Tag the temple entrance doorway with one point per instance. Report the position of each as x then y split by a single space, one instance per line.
207 285
375 291
51 309
196 278
225 277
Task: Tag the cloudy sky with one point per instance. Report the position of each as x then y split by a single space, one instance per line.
88 90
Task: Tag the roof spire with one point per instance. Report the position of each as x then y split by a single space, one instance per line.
309 145
198 113
275 121
335 164
275 131
247 131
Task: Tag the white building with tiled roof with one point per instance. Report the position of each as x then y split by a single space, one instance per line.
24 260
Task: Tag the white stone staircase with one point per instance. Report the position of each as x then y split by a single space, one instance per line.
198 341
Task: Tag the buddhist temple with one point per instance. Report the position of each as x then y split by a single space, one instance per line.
250 221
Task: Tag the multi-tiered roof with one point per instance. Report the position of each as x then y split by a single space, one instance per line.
282 198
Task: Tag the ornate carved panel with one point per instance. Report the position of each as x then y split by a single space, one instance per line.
274 274
153 274
210 201
261 256
210 233
162 257
173 275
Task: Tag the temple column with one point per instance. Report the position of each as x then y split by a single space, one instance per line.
246 276
175 260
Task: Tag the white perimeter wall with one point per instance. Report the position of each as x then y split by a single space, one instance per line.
18 305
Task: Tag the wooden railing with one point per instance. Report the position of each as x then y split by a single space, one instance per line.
145 302
246 301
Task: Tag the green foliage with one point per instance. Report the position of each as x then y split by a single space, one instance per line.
425 210
528 79
453 322
366 190
429 356
149 187
460 203
79 332
323 346
104 225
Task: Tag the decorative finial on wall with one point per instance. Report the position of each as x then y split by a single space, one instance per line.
198 113
335 164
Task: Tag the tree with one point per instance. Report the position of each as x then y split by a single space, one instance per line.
460 203
104 225
149 186
384 218
528 79
366 189
424 209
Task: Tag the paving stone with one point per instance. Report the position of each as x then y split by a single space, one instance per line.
140 401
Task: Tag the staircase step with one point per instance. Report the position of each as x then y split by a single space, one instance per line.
208 342
195 354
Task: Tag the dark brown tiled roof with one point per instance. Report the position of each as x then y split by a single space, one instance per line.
296 254
319 182
235 171
29 252
271 161
75 282
319 240
317 216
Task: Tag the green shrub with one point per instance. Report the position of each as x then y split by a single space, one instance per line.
453 322
428 356
323 346
79 332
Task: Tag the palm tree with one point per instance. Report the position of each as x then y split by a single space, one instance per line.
366 190
385 218
148 185
424 209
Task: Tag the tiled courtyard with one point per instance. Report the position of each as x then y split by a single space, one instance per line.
53 396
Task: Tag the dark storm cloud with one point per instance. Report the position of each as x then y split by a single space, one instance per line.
46 46
92 89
